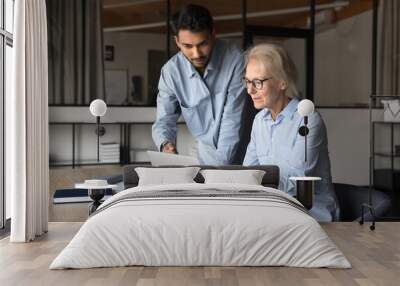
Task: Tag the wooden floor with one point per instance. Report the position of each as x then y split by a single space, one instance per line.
374 255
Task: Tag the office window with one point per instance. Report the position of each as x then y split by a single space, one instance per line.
6 64
2 195
9 15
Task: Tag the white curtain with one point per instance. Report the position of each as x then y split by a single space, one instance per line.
389 50
27 124
76 68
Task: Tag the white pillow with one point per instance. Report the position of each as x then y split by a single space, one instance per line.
249 177
165 176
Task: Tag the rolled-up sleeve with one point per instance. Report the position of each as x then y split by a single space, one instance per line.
228 138
168 112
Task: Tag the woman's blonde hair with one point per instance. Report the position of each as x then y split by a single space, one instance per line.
276 61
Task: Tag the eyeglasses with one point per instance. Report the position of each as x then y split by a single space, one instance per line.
256 83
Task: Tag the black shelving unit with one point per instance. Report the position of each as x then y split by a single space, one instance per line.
124 135
372 103
124 139
384 179
74 161
387 178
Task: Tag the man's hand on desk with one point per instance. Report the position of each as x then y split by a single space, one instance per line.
169 148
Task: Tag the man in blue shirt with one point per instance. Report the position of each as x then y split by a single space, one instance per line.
270 80
203 83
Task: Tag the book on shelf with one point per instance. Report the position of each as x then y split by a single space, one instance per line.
64 196
109 145
109 159
116 160
109 155
109 152
109 149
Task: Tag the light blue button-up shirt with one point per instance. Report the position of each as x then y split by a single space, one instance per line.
279 143
211 104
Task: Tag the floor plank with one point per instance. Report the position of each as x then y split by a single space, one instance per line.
375 257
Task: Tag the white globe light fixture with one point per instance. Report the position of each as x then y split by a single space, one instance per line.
305 185
98 108
305 108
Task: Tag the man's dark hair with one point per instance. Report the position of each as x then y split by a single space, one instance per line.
193 18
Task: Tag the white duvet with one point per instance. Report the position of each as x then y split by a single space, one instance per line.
200 231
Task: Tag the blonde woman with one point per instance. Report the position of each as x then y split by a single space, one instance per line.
270 79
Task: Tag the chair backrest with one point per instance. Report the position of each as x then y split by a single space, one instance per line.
270 179
351 198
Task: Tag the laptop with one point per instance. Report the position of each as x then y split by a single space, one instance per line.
163 159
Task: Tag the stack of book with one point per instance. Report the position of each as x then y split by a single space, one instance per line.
109 152
65 196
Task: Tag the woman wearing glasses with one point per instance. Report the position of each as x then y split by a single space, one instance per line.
270 81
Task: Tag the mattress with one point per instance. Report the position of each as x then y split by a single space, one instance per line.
201 225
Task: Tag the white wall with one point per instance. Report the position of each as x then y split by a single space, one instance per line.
113 114
343 59
131 53
297 51
349 143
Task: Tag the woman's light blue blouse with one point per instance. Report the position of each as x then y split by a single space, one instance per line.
279 143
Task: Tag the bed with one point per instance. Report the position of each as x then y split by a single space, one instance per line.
201 224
